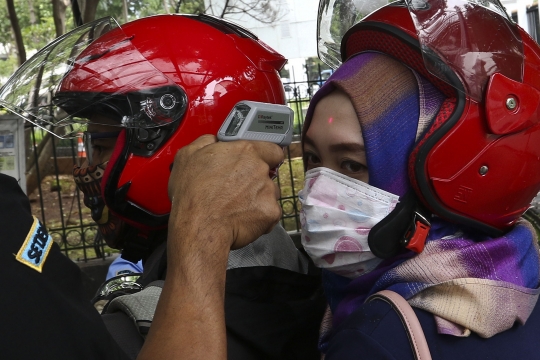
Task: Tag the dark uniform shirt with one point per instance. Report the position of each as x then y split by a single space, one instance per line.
44 312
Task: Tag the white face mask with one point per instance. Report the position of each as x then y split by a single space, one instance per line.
337 214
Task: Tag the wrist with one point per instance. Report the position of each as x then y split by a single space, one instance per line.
197 244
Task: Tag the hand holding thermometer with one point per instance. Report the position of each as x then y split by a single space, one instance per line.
250 120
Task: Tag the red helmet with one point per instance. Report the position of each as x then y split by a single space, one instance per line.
479 163
167 80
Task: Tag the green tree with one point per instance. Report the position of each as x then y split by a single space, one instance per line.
37 25
16 27
190 7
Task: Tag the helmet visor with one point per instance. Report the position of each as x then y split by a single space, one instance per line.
472 39
334 18
93 70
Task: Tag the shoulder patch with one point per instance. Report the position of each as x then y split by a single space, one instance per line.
35 248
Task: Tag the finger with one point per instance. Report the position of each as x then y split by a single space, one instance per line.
188 150
199 143
184 154
273 210
276 212
277 191
270 153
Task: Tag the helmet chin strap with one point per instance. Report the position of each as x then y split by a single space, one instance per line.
406 227
139 244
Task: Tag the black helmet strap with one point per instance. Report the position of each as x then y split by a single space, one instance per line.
406 227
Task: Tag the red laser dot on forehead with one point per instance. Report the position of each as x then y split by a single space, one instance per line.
330 120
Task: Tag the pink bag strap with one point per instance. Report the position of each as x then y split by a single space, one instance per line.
410 321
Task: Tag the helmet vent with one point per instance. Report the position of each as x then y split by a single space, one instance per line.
225 26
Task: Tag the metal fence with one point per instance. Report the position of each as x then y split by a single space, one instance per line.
55 199
58 203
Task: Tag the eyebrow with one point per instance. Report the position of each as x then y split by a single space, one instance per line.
308 141
351 147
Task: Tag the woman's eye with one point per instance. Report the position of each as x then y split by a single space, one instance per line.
352 166
311 159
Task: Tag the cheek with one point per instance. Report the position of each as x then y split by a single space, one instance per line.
105 154
364 177
99 157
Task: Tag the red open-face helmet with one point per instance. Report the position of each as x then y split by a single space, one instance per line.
479 162
166 79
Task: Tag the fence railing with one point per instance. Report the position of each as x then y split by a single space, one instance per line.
58 203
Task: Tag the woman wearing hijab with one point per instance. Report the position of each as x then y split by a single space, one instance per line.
417 176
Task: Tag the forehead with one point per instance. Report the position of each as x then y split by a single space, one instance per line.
334 120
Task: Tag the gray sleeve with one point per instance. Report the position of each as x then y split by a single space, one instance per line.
273 249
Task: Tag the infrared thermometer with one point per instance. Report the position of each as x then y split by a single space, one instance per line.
251 120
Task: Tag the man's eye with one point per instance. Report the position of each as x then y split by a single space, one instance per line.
353 166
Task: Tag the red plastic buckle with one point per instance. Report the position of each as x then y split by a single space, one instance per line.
415 238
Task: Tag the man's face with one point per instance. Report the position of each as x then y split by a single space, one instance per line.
89 177
101 149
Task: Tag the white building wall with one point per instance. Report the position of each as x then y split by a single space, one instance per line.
520 7
293 35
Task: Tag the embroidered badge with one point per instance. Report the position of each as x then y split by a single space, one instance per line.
35 248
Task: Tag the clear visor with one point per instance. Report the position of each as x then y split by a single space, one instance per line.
472 39
92 74
334 18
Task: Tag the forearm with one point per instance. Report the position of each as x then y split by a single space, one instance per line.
189 321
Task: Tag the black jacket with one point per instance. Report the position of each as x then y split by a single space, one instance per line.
44 314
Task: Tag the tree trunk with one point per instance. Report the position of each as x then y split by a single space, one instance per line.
125 11
77 16
32 13
59 16
21 53
89 10
34 175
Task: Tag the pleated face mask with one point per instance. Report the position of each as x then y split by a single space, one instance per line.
337 214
